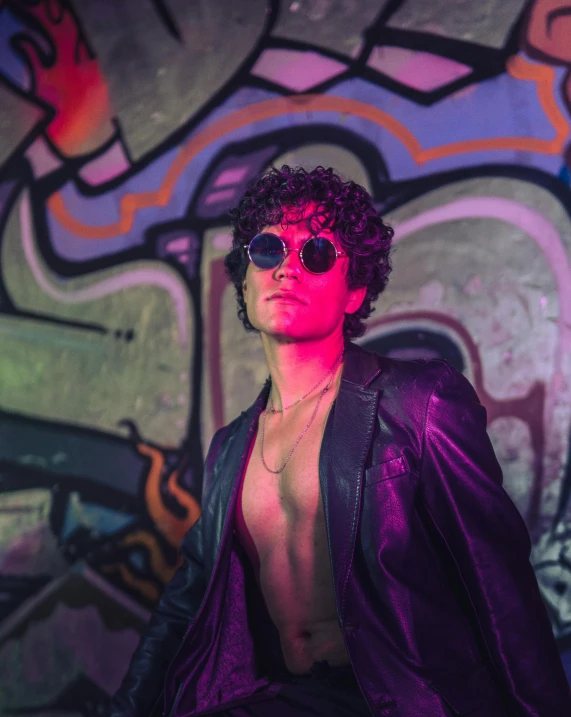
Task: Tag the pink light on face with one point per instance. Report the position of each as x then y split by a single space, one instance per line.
295 69
420 70
290 301
230 176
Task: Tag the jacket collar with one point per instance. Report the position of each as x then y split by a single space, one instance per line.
360 367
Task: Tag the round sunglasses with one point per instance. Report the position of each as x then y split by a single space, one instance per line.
317 255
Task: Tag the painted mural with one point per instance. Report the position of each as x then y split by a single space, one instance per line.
127 131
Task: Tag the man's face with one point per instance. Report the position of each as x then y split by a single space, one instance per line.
291 304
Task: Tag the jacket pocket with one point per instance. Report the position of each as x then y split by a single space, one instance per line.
387 469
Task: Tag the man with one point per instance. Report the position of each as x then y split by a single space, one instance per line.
356 552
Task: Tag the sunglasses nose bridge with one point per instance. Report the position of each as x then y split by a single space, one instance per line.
287 251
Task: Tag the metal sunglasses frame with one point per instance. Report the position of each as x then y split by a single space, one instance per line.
299 251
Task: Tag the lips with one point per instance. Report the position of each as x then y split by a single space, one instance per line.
285 296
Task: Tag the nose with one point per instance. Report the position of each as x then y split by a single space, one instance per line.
291 265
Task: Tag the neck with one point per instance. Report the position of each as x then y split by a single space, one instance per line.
296 367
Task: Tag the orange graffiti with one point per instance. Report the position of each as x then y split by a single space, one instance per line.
160 568
172 527
517 67
546 38
546 34
544 78
144 587
73 84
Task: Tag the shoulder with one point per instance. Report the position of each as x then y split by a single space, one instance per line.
372 370
414 387
422 375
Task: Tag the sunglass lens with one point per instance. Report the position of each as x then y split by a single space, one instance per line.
319 255
266 251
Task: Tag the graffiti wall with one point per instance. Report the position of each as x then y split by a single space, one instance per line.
127 131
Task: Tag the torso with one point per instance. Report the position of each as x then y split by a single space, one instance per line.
284 535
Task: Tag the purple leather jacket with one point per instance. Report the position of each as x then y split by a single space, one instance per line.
439 606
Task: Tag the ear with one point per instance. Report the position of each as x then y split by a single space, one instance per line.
356 298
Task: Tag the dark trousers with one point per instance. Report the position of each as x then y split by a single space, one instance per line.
325 692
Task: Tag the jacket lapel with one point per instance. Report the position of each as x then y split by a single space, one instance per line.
342 460
229 470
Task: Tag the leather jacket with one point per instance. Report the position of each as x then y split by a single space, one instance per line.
438 603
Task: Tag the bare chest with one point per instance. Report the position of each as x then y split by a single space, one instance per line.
276 504
273 505
284 520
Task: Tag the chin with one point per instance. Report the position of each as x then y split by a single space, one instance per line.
284 324
281 329
295 333
291 327
287 333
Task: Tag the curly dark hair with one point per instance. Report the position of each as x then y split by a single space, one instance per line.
344 208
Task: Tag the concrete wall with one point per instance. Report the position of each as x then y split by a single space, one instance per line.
127 130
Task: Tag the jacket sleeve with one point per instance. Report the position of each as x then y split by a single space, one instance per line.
142 686
461 487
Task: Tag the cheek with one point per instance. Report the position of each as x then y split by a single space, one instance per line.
336 294
329 300
323 303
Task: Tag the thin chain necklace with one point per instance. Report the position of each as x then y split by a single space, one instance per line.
308 424
271 408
